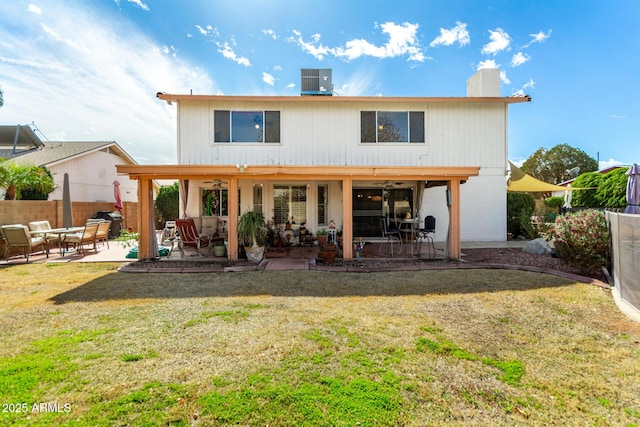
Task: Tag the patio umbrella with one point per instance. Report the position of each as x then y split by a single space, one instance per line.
67 212
633 190
117 196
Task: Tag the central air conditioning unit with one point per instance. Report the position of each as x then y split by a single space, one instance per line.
316 81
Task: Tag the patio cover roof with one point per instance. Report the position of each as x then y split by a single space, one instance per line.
431 173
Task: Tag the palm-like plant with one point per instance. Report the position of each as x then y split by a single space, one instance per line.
17 178
252 230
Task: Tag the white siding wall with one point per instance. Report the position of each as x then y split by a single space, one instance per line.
91 179
328 133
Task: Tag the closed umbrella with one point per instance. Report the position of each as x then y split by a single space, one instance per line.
117 196
633 190
67 212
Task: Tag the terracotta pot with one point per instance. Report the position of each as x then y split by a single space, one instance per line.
328 256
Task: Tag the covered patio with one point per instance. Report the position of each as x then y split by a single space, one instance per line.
453 177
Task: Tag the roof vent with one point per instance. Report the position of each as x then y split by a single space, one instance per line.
316 81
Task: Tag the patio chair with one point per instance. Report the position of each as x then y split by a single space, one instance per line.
17 237
425 234
44 226
390 235
102 234
78 240
189 236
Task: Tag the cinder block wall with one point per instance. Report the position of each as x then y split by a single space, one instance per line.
24 211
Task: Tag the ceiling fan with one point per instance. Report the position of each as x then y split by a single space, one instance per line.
215 184
388 185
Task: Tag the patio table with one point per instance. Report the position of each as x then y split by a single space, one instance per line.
60 232
409 229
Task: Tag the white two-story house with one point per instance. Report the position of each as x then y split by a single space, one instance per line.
350 160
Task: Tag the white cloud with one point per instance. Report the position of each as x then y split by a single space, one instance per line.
270 33
208 31
228 53
69 42
489 63
290 86
618 116
603 164
34 9
140 4
63 77
318 52
519 59
403 41
268 79
538 38
458 34
523 90
277 68
500 40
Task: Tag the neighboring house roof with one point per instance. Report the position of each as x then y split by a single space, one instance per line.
602 171
56 152
21 144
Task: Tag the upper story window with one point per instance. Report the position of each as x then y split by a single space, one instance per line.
391 126
246 126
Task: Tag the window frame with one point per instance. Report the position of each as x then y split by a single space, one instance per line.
370 126
270 126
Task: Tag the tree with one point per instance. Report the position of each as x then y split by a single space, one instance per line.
520 207
553 165
612 191
40 185
1 99
16 178
586 198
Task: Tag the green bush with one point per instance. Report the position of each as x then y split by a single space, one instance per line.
520 208
586 198
554 201
612 191
168 203
582 240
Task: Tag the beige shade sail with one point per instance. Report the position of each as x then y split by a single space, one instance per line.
522 182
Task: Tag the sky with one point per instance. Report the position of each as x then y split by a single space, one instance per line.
90 70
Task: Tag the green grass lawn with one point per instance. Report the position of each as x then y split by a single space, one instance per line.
83 344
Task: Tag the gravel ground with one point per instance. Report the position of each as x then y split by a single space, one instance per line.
503 256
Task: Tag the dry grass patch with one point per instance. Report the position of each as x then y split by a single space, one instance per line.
479 347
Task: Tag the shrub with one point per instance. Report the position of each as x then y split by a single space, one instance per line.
554 201
520 207
582 240
168 203
587 198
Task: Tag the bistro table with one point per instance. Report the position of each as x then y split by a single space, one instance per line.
60 232
409 229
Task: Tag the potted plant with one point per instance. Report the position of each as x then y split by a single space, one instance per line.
321 237
252 234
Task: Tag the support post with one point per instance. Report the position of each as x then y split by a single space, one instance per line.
232 228
347 218
453 188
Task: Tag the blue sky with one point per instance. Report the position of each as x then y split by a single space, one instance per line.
89 70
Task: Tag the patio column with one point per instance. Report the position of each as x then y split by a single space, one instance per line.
232 226
453 188
145 219
347 218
